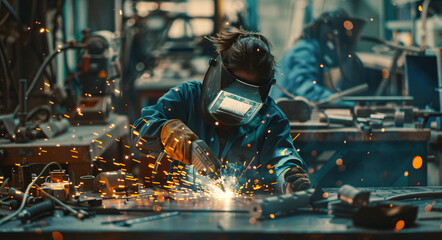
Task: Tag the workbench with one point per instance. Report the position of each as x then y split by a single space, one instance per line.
204 217
76 148
390 156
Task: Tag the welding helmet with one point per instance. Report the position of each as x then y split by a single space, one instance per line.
228 99
337 34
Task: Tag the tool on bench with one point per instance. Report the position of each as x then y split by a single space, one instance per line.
287 204
377 214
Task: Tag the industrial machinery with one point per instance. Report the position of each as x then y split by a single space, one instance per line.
100 78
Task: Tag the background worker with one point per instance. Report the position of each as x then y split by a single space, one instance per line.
327 44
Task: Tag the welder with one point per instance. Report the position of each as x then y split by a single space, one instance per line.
322 61
232 112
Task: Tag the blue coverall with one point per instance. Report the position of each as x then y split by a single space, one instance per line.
300 72
265 144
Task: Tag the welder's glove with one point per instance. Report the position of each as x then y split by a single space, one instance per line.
297 180
177 140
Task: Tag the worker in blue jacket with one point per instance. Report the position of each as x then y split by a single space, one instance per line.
231 111
325 44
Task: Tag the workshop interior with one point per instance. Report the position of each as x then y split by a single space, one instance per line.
76 74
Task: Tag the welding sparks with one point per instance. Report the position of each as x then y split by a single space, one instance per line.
296 136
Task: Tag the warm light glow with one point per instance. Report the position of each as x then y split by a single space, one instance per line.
339 162
417 162
399 225
348 25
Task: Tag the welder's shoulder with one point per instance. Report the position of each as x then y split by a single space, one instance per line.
273 111
188 89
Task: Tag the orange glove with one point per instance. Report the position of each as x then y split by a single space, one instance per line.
297 180
177 139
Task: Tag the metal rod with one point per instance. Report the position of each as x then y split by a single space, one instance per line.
340 95
145 219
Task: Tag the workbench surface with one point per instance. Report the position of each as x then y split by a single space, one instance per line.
201 216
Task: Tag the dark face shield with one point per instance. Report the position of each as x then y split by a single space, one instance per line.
228 100
337 36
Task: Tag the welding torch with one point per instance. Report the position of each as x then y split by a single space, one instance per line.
206 163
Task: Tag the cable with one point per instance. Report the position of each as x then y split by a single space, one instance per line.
25 195
81 214
43 67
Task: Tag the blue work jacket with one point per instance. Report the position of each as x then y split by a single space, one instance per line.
264 147
300 72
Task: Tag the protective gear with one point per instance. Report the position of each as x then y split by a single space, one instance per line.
297 180
228 100
177 140
337 34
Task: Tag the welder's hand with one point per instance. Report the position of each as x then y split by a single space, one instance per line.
297 180
177 140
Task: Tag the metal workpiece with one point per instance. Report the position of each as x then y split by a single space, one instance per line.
353 196
281 205
110 183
